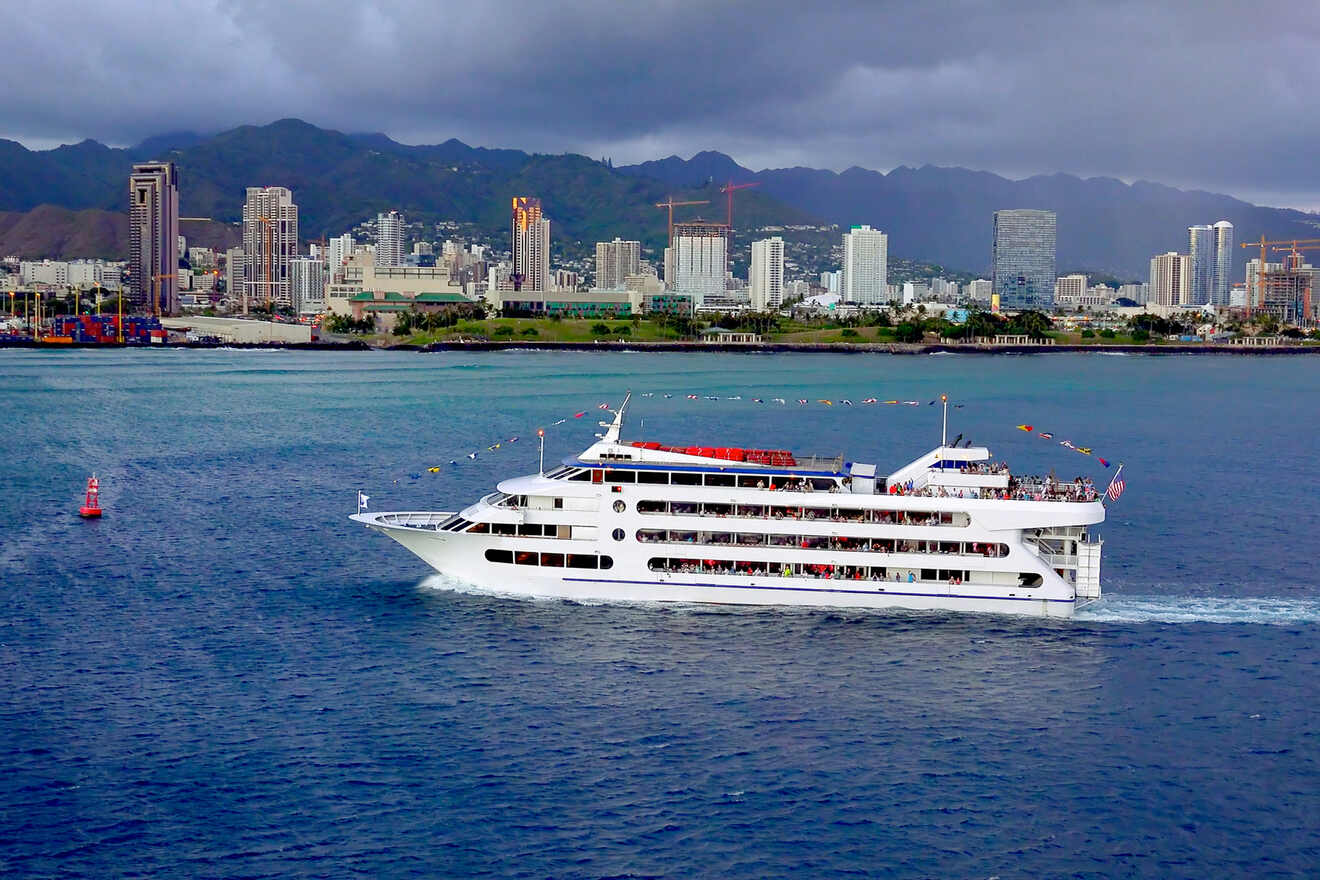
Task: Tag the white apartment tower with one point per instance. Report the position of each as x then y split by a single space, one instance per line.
697 260
865 271
766 274
389 239
1170 279
615 261
339 250
1069 288
153 232
270 240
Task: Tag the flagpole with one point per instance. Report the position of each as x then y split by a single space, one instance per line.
540 433
944 430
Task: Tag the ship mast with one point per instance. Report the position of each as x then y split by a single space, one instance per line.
612 429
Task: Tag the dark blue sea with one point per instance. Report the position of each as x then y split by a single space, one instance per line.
226 678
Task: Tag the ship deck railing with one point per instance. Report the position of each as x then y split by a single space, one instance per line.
1030 489
420 520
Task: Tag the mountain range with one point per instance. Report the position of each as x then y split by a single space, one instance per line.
69 201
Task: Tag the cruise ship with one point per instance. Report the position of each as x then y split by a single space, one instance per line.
643 521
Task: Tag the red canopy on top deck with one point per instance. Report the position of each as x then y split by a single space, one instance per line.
774 457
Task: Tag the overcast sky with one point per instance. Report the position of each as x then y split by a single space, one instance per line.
1210 95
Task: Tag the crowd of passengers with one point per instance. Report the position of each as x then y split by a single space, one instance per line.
883 517
821 572
989 468
1031 489
822 542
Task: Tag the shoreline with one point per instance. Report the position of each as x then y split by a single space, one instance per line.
894 348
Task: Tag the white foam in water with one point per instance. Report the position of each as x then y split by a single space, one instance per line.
1202 609
1115 609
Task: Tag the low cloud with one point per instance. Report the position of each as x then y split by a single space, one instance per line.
1204 96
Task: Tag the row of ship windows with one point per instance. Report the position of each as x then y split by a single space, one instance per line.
825 514
550 560
785 482
522 530
761 568
823 542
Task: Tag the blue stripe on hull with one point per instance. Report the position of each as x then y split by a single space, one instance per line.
819 590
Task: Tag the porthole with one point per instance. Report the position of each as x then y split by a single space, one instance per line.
618 534
620 506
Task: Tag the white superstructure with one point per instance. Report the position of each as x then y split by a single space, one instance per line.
640 521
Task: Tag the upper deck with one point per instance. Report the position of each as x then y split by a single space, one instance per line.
946 471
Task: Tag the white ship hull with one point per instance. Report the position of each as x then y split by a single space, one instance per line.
462 558
644 523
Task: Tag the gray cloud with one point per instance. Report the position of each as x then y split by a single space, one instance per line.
1207 95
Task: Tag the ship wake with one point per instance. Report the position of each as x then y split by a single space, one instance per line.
1202 609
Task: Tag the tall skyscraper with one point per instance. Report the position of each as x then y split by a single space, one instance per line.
697 260
615 261
1171 279
529 239
766 274
1201 249
1222 288
270 240
389 239
1024 258
340 249
865 273
153 192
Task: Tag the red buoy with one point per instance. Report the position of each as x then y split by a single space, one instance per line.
92 503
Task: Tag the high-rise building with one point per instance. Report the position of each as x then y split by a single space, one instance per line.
697 261
389 239
615 261
766 274
1221 289
979 290
529 240
307 278
339 250
234 267
865 274
1287 292
1023 258
153 192
1068 289
1255 295
1171 279
1201 249
270 240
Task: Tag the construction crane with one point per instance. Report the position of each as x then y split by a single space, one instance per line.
155 291
1260 274
671 205
729 189
1295 250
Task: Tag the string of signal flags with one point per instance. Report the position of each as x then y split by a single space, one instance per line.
794 402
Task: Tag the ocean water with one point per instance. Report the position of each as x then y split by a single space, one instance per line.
226 678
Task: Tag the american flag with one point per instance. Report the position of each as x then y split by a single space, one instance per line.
1116 486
